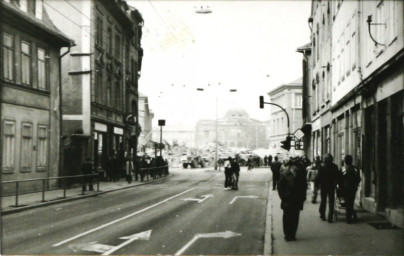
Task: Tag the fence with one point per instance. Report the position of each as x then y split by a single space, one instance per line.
13 188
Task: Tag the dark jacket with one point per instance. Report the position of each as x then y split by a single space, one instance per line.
350 179
235 167
328 176
292 187
276 167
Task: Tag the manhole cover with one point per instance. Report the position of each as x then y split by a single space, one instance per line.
383 225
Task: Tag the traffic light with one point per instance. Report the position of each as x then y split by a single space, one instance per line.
261 101
286 143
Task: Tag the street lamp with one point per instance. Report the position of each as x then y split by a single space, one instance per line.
216 127
162 123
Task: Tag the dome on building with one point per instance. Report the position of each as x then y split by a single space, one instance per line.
237 113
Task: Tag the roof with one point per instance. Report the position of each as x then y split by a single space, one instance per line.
296 83
28 22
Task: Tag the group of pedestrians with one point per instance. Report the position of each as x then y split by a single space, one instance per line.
292 177
232 173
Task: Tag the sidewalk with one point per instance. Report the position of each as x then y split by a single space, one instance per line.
315 236
34 200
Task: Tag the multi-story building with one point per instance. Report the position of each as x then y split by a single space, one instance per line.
289 97
30 91
146 116
366 108
100 79
235 130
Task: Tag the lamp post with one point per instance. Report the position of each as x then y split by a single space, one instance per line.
216 127
162 123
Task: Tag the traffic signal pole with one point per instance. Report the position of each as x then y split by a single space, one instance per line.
262 102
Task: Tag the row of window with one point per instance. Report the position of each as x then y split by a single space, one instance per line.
28 150
30 59
34 7
112 43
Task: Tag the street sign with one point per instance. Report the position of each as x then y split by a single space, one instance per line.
299 134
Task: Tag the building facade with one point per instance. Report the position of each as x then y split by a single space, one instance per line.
30 92
365 116
235 130
100 80
146 116
289 97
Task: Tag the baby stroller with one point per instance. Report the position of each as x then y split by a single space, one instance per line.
339 204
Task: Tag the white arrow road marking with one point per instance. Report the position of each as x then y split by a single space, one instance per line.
139 236
91 247
203 198
235 198
120 219
226 234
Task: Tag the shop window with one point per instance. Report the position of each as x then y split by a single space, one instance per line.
8 146
42 147
8 57
26 146
25 63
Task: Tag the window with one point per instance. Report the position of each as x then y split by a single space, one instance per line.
26 146
109 48
8 145
108 93
348 50
42 147
117 47
42 69
298 102
98 85
31 6
38 9
25 63
353 42
99 30
392 20
23 5
8 57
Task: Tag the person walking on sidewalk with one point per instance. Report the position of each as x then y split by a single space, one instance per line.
327 179
276 170
312 172
292 188
87 169
350 179
235 168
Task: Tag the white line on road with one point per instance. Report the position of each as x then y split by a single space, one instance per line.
120 219
226 234
199 200
140 236
235 198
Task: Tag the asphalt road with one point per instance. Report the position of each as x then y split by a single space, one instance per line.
188 213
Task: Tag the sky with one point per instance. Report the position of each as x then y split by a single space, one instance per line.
249 46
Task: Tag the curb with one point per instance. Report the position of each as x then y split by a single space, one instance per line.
268 223
64 200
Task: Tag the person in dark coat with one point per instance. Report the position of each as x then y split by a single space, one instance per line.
269 160
265 160
87 169
349 182
327 180
235 168
292 192
276 170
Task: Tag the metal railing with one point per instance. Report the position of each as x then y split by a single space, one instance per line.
70 183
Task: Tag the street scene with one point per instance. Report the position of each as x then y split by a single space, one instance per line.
202 127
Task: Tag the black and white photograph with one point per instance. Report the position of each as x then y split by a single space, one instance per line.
202 127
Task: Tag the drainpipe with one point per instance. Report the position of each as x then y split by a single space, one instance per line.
61 140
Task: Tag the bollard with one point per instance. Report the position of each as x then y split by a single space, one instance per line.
16 194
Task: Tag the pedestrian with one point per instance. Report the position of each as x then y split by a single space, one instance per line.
269 160
312 172
128 167
87 169
292 188
265 160
227 173
235 168
327 179
350 179
249 164
276 170
114 165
